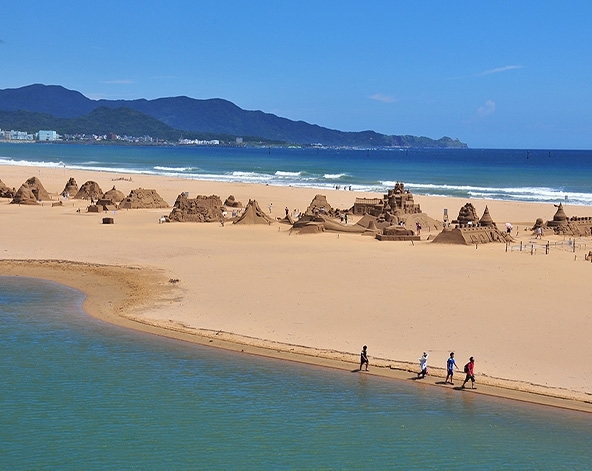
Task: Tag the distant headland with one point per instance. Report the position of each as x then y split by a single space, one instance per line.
170 120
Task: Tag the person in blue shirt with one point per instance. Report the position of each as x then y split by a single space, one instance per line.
450 365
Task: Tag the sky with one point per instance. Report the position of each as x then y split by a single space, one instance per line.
496 74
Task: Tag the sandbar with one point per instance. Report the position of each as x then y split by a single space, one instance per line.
319 298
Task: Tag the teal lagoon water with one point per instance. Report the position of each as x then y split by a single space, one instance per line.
77 393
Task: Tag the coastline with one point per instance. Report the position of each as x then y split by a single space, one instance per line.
128 287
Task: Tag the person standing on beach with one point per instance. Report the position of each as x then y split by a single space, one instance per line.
423 366
364 358
470 372
450 365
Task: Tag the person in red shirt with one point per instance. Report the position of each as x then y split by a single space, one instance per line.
470 371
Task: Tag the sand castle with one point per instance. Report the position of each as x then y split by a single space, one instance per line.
198 209
141 198
396 207
469 231
397 202
562 225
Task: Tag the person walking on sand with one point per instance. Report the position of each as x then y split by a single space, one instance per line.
470 372
450 365
423 366
364 358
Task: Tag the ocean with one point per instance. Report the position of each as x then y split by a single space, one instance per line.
547 176
77 393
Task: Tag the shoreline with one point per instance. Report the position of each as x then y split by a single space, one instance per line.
126 299
319 298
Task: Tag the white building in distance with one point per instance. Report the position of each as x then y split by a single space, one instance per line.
47 136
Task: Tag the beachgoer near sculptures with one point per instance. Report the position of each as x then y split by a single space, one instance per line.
364 358
423 365
470 372
450 365
539 232
287 211
418 227
345 217
270 207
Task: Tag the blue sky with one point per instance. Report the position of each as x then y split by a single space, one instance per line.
508 74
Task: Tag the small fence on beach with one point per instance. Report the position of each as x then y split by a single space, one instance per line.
538 246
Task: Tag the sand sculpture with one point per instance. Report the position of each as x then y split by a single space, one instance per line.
321 213
24 195
467 215
198 209
6 192
232 203
253 214
470 233
71 188
35 185
141 198
396 202
90 190
397 233
562 225
396 207
114 196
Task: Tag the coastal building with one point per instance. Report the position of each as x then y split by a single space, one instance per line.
46 136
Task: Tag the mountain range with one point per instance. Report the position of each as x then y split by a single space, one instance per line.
38 106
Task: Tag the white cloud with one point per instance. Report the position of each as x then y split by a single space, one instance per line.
383 98
486 109
499 70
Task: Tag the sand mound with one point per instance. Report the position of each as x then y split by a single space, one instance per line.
113 195
71 188
199 209
24 195
141 198
253 215
89 190
37 188
6 192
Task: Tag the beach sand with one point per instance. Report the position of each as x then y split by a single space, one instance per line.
319 298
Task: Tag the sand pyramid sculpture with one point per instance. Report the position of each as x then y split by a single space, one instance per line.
253 214
37 188
71 188
142 198
24 195
198 209
486 218
114 195
6 192
89 190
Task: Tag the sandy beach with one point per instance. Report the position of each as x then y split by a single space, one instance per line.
524 316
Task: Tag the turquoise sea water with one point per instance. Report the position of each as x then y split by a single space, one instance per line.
518 175
76 393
